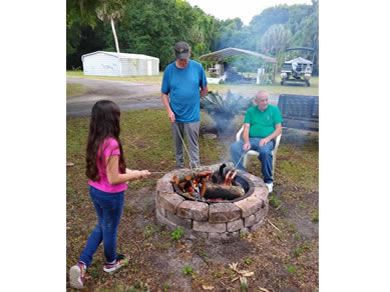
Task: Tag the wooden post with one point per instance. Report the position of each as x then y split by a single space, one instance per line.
274 73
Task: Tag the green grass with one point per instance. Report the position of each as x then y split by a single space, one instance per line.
291 269
275 88
75 89
298 251
297 160
176 235
315 217
274 201
146 139
187 270
244 89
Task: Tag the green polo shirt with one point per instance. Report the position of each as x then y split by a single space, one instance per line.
262 124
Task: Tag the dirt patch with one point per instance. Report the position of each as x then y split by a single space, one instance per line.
300 211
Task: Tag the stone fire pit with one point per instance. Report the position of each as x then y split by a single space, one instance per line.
215 221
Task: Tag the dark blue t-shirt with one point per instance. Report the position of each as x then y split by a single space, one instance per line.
183 85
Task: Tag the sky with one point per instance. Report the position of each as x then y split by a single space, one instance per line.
244 9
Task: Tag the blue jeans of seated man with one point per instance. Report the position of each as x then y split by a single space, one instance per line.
108 208
265 156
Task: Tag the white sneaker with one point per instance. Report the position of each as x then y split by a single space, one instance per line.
270 187
77 276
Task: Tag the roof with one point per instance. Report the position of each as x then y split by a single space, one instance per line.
121 55
228 52
300 48
299 60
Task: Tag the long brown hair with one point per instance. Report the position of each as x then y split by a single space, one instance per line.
104 124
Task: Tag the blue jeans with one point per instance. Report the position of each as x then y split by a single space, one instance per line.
265 156
108 208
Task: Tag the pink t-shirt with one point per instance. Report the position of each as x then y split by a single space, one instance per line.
111 148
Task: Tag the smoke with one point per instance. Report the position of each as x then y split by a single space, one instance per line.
227 113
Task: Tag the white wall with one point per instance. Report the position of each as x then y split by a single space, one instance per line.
101 64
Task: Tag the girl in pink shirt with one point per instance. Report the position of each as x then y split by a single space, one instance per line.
108 176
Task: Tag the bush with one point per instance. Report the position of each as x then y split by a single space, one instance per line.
223 109
176 235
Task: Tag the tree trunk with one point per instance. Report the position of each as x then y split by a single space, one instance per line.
114 33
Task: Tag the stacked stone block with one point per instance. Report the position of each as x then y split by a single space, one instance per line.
216 221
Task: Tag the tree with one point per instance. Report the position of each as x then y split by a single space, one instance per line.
84 33
151 27
275 40
81 11
111 10
230 34
268 17
296 13
308 33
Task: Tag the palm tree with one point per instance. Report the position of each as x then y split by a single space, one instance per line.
111 10
223 108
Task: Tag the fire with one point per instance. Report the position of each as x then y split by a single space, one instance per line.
209 186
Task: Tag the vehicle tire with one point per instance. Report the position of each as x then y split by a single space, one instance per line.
307 83
282 82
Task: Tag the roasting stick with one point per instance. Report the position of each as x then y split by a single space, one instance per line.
185 147
243 154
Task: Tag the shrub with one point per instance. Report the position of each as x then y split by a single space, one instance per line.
187 270
176 235
223 108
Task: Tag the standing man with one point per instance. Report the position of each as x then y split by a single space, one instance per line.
184 83
262 124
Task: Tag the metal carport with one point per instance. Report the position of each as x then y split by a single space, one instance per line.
219 56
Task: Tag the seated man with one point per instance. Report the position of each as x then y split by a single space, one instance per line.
262 124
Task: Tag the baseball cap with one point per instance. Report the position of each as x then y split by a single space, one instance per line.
182 50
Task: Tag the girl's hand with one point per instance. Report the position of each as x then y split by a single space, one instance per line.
136 175
144 173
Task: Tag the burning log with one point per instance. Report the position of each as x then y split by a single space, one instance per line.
204 173
203 189
218 177
214 191
208 185
175 179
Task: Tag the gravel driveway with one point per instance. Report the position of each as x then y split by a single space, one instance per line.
128 95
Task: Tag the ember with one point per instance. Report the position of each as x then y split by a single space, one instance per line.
209 186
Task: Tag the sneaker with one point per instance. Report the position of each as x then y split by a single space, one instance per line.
270 187
121 260
77 275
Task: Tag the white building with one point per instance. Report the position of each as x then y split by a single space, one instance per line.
119 64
